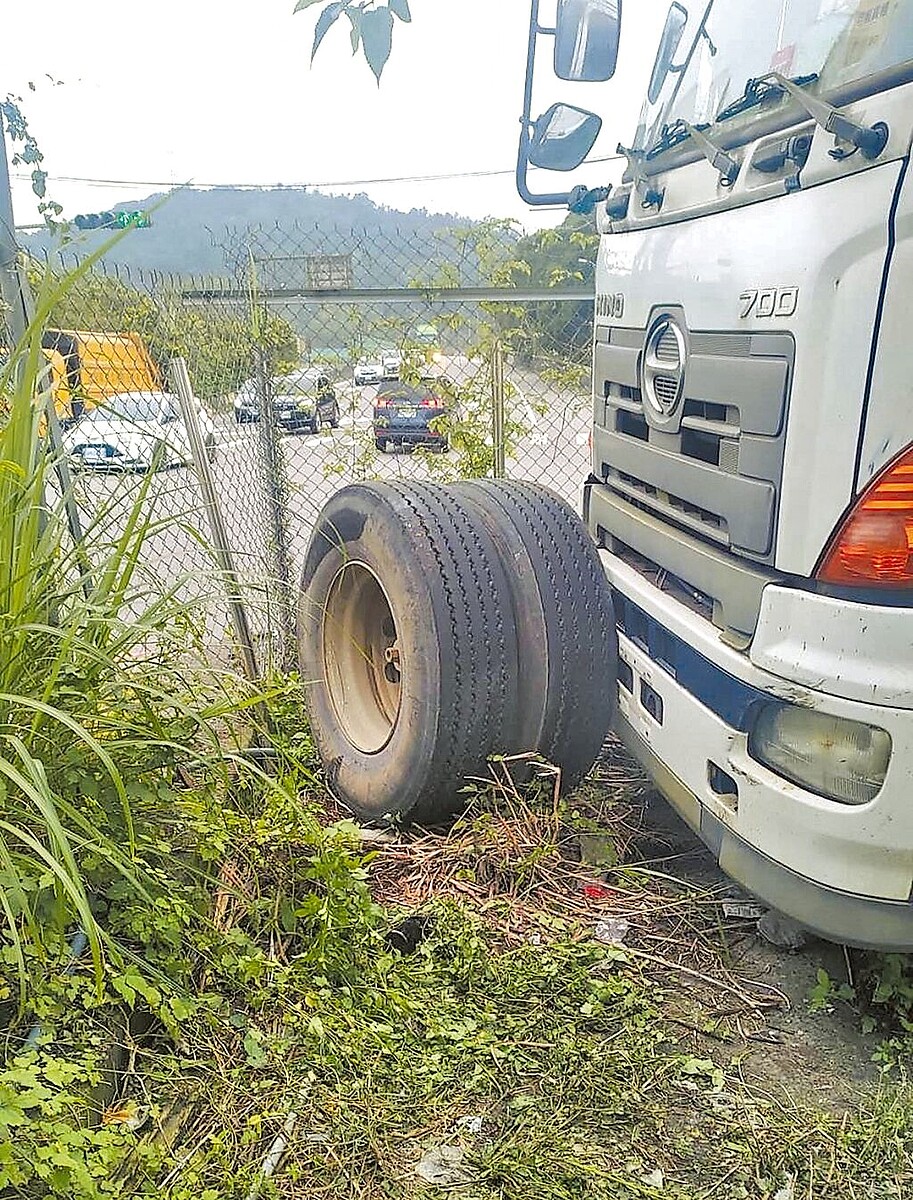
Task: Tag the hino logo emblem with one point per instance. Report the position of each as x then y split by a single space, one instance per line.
612 306
662 372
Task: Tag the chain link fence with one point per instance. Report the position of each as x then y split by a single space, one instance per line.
315 359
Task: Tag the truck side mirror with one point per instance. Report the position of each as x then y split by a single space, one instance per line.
670 39
586 40
562 137
585 50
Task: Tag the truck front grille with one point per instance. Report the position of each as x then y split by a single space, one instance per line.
719 474
666 388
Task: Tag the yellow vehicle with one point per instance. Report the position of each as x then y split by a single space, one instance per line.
87 367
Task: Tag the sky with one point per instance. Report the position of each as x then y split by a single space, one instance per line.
223 92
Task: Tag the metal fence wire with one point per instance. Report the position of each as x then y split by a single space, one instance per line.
316 358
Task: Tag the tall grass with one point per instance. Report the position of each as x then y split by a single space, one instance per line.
94 700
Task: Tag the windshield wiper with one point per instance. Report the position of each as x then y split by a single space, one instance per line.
682 131
869 140
759 91
671 135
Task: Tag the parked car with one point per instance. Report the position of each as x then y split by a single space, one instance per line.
378 370
298 398
368 372
304 401
127 431
404 416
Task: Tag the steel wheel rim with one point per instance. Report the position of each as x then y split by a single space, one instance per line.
361 657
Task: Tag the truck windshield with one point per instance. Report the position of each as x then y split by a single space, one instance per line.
838 41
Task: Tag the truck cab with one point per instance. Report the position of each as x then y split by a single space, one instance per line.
752 474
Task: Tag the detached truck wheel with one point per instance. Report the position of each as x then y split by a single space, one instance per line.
563 615
440 625
407 648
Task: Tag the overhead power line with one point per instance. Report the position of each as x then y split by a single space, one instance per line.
94 181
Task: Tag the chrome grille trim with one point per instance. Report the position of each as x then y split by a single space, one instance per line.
665 386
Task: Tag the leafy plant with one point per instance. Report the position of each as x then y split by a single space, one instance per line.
37 1098
885 993
28 153
559 331
370 26
96 708
826 990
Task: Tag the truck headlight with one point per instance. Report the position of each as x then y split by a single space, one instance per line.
839 759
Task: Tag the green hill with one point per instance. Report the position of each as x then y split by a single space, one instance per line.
211 232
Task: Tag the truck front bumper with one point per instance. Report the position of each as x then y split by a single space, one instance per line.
865 921
685 704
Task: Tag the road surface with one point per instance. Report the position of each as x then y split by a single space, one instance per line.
553 451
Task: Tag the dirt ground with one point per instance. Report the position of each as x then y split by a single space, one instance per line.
824 1054
732 996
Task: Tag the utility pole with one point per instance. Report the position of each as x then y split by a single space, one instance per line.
17 301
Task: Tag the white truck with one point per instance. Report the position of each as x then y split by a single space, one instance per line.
742 606
752 482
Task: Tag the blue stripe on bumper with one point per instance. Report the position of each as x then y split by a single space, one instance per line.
734 702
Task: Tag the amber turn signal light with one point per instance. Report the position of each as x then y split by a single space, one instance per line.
873 545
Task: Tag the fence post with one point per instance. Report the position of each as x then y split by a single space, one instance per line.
498 464
276 485
220 542
15 318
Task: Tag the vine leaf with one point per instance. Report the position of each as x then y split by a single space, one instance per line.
325 22
354 15
371 26
377 38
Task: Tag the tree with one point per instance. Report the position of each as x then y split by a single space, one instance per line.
370 26
219 346
552 258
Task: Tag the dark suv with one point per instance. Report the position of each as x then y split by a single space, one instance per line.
304 401
404 417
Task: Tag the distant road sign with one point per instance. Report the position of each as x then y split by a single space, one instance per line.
330 272
113 220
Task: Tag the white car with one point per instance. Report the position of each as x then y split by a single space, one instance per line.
368 372
127 431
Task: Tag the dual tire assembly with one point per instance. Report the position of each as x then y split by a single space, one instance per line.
440 625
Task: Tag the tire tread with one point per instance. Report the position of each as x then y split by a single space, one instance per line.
579 635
